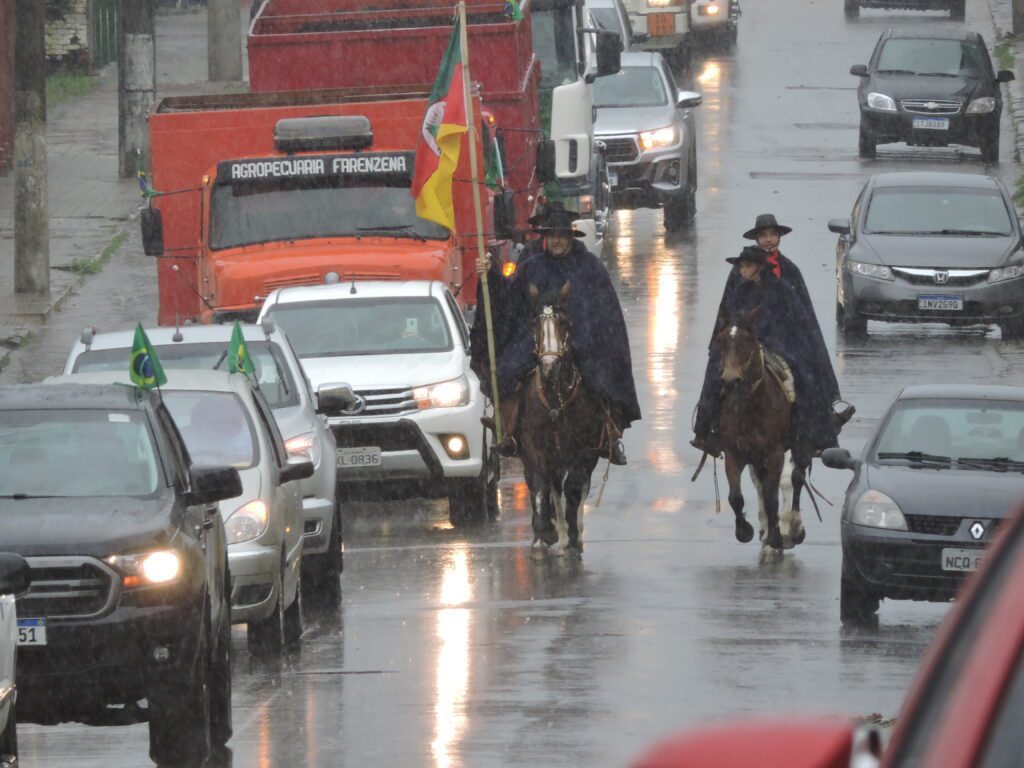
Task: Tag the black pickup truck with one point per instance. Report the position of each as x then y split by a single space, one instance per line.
129 602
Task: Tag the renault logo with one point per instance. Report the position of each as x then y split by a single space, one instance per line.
357 407
977 531
941 278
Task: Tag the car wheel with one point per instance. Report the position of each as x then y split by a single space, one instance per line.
9 737
858 605
179 712
990 147
958 10
267 636
293 619
220 680
321 574
851 322
680 57
866 143
1012 330
851 8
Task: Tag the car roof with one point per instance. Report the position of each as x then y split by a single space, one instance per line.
60 395
367 289
932 34
641 58
962 392
179 379
934 179
190 334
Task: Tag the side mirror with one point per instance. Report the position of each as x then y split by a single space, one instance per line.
335 397
859 70
213 484
839 458
152 222
296 469
505 215
609 53
839 226
1005 76
688 99
15 574
546 161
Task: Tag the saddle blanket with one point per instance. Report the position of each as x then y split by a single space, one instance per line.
780 371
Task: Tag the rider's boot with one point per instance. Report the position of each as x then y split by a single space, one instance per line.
509 408
842 417
709 442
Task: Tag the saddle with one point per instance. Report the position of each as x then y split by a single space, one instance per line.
779 370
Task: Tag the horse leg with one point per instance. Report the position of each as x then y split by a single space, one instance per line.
771 471
786 507
577 486
543 531
762 521
557 495
797 532
734 474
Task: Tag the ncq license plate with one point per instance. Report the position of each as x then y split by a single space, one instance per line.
931 123
943 303
349 458
962 559
31 631
661 24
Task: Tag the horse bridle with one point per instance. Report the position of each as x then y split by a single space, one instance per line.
760 352
548 344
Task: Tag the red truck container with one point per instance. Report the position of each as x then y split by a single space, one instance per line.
302 44
268 190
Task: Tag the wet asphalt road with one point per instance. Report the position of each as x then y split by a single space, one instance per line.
456 649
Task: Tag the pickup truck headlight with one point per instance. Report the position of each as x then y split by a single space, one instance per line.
247 522
148 568
663 137
881 102
981 106
876 510
877 271
447 394
304 446
1009 272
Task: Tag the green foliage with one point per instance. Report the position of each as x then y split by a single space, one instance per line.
1018 194
94 265
1004 53
61 86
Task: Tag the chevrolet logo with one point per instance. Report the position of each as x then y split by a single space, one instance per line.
931 105
977 530
941 278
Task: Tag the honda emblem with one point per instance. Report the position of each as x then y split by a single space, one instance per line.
941 278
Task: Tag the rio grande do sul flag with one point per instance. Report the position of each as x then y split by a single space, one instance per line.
440 140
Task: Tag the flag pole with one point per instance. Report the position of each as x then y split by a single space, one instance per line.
477 209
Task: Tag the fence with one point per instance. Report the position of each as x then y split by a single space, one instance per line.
104 31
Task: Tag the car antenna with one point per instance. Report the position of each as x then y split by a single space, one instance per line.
352 290
177 329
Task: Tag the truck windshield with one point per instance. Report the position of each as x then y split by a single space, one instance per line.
215 426
282 210
364 326
554 42
81 453
631 87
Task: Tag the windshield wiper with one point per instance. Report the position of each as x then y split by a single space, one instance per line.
971 232
895 72
916 457
21 496
937 74
221 359
1000 463
406 228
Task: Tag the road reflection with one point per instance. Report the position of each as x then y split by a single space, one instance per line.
453 625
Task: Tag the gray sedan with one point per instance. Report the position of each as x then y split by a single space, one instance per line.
930 247
647 127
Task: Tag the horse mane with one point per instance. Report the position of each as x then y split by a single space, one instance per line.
550 298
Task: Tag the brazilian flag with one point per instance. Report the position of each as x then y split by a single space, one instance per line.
144 367
238 355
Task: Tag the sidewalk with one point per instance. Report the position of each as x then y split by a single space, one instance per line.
88 204
1003 20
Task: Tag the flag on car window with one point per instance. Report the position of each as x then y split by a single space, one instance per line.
238 354
512 10
144 366
440 139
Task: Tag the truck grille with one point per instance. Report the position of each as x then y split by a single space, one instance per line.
67 588
621 150
383 402
930 106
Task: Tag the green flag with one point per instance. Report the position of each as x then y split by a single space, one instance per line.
144 366
512 11
238 355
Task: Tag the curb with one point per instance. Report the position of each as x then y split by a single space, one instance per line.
1015 89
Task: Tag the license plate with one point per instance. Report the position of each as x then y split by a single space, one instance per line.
349 458
962 559
942 302
931 123
613 178
31 631
661 24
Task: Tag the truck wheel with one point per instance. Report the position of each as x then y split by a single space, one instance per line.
179 713
958 10
866 144
851 8
990 147
293 619
858 605
321 574
220 680
267 636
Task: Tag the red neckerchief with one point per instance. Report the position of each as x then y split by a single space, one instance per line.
773 261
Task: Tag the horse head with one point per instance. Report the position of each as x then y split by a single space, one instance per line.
741 350
551 328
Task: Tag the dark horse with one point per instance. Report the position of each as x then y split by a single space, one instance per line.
755 427
562 430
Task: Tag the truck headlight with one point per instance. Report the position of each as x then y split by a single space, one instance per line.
881 102
1009 272
148 568
304 446
876 510
981 106
247 522
712 10
877 271
663 137
447 394
659 3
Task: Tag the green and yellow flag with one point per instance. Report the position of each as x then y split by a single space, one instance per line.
144 366
238 355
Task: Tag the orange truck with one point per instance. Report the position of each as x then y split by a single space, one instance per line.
254 192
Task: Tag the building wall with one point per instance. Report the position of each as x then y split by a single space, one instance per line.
67 33
6 84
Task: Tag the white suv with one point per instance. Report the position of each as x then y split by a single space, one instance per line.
411 426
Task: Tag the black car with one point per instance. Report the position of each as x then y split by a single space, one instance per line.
930 90
128 557
945 468
956 8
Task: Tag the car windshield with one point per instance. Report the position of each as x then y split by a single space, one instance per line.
927 56
80 453
364 326
976 434
215 426
272 373
937 211
281 210
631 87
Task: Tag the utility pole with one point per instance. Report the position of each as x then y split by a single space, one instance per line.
31 228
1018 17
224 40
136 85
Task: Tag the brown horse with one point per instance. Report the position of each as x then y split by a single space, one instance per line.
755 428
562 425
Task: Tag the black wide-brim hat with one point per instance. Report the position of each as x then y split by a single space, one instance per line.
556 219
751 253
766 221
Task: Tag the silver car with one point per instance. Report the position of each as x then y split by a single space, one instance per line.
647 127
295 408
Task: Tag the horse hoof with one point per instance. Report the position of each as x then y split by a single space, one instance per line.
744 531
787 542
799 536
770 554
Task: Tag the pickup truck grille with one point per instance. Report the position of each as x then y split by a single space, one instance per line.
930 106
383 402
621 150
68 588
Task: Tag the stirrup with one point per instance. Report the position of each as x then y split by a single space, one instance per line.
617 454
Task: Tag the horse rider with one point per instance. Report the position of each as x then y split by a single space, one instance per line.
600 341
781 323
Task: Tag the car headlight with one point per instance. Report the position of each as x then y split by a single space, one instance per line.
162 566
877 271
447 394
304 446
877 510
247 522
663 137
1010 272
881 102
981 106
